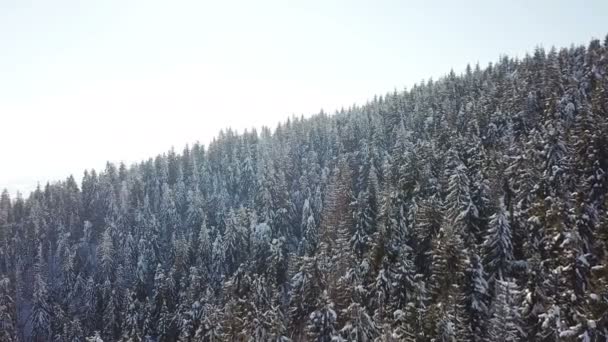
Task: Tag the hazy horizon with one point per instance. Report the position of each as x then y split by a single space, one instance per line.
83 84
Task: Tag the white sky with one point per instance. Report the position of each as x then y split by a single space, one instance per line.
82 82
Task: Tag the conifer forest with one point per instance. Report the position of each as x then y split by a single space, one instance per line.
473 207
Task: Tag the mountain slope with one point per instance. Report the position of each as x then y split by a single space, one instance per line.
468 208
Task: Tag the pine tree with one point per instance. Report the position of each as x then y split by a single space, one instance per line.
309 227
306 287
412 320
107 256
112 320
41 314
218 260
505 323
41 311
8 319
498 246
132 319
477 297
364 224
449 261
164 328
322 322
205 250
359 325
459 203
5 208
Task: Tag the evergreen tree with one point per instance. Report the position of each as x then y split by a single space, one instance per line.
359 325
498 245
505 323
477 297
8 319
40 319
322 322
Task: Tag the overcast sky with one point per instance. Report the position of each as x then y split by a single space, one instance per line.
83 82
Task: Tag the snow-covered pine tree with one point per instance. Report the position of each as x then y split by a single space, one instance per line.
498 246
359 325
8 319
322 324
505 322
306 287
41 315
478 296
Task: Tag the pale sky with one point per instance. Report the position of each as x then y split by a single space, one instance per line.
83 82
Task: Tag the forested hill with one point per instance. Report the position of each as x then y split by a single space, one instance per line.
469 208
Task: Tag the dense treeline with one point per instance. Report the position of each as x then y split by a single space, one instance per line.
469 208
